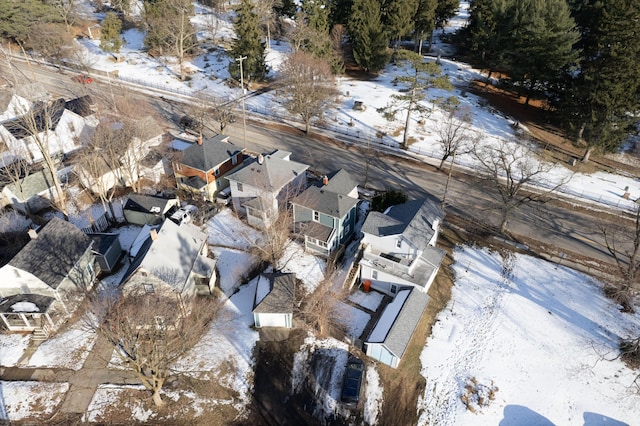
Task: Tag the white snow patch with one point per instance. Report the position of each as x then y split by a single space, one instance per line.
12 346
373 400
307 267
25 307
370 300
19 400
66 350
355 320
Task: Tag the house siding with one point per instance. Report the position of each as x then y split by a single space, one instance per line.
272 320
379 352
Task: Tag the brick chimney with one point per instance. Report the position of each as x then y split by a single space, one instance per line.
325 180
200 140
154 234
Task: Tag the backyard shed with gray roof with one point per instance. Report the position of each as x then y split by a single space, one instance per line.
274 300
391 335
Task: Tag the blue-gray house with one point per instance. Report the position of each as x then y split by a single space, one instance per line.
324 215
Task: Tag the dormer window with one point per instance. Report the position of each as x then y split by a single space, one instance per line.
399 243
239 187
316 216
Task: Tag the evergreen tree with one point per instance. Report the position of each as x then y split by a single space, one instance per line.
424 21
398 18
340 11
543 34
600 100
286 8
368 38
445 10
18 17
317 14
110 40
247 44
314 23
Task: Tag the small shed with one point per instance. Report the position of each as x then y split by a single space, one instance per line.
107 250
274 300
391 335
143 209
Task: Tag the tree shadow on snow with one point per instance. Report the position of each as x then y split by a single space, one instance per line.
518 415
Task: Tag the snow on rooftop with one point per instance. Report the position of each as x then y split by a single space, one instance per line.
388 317
263 289
544 335
25 307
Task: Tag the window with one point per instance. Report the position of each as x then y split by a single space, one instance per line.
321 243
374 275
398 243
239 187
148 288
234 160
394 288
216 172
347 228
316 216
178 166
89 269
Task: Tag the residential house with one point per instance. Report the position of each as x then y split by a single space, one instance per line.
172 262
140 160
274 300
58 125
200 167
141 209
107 250
30 193
399 247
12 105
400 259
390 337
47 279
263 184
324 215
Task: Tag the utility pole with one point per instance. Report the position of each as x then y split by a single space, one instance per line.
244 115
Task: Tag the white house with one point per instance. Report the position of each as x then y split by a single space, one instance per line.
172 262
399 247
261 186
47 279
274 300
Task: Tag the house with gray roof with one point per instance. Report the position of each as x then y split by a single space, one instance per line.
265 184
172 262
201 167
399 247
388 340
324 215
274 300
46 281
30 193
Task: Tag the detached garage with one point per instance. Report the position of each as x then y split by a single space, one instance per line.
274 300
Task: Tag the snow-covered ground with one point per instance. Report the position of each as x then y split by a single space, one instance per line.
536 340
493 127
21 400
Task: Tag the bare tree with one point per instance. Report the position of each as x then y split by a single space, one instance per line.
264 9
35 124
223 111
15 171
51 40
454 133
510 169
623 243
150 335
67 11
310 86
320 309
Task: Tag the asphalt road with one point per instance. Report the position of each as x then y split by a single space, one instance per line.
559 227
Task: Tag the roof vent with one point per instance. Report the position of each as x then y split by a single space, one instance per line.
260 158
33 234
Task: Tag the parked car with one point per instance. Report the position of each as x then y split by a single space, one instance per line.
352 383
83 78
183 214
224 196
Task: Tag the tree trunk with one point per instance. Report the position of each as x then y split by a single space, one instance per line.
503 223
405 137
587 154
307 126
444 158
156 397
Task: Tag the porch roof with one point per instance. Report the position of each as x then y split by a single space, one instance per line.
43 303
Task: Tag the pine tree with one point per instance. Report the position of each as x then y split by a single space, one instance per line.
247 44
446 10
543 34
398 18
368 38
110 40
424 21
598 102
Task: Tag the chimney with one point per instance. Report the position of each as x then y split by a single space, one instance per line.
200 140
33 234
154 234
260 158
325 180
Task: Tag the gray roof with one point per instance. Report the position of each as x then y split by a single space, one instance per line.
171 257
340 181
32 185
144 203
55 251
413 220
282 295
323 200
211 154
315 230
272 175
406 322
102 242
